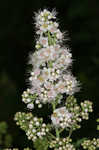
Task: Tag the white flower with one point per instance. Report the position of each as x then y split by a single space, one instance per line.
60 87
40 106
37 123
36 72
44 27
28 100
52 28
43 41
30 106
30 126
59 34
37 101
52 94
48 85
35 119
34 130
55 24
39 133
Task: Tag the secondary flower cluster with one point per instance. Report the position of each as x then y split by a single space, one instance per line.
62 144
61 118
33 126
70 115
78 112
91 144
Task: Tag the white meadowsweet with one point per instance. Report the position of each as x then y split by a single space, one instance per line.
51 82
50 61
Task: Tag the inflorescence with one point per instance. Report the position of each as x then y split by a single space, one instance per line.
50 78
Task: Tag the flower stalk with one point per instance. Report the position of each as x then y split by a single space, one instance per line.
57 133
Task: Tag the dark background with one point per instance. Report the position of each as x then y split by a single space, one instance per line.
17 33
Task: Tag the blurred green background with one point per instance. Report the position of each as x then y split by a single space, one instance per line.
17 33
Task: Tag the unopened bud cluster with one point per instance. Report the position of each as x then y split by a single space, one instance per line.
91 144
86 107
78 112
22 119
62 144
36 129
33 126
29 98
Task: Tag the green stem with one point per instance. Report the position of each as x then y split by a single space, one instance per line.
61 131
57 133
49 38
51 41
52 135
70 132
54 106
54 41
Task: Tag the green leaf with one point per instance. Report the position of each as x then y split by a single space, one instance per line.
41 144
3 127
8 140
78 143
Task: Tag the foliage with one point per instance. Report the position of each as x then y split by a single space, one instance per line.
5 137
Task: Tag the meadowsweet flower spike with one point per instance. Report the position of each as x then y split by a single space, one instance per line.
50 62
50 79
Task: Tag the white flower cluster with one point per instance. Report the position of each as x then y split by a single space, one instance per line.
36 129
44 24
61 118
62 144
49 75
